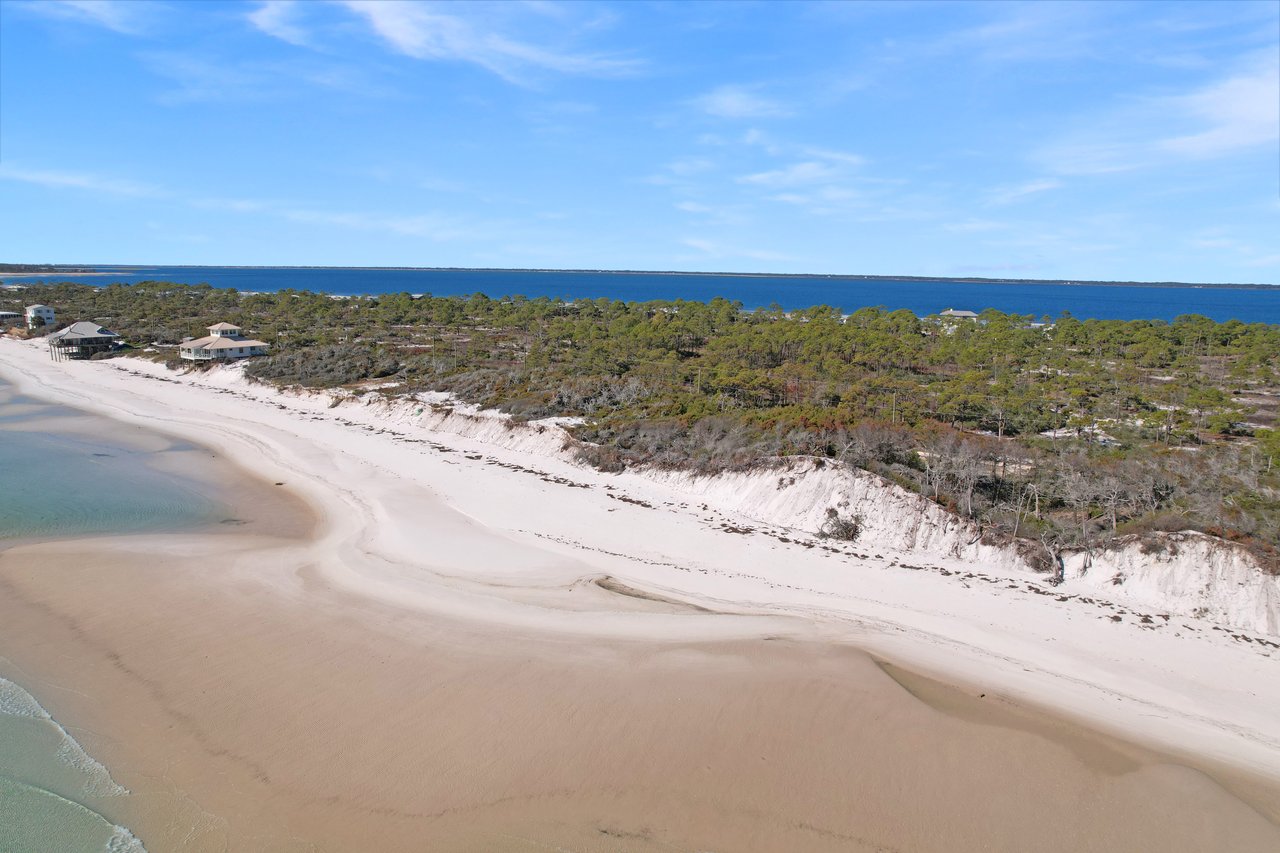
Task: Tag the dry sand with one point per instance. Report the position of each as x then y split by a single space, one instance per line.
323 689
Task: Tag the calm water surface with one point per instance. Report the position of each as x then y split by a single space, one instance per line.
66 473
1112 302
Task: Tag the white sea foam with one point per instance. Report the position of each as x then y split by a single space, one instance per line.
124 841
16 702
60 823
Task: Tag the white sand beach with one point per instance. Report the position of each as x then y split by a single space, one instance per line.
483 646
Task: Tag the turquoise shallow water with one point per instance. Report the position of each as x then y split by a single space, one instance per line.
63 473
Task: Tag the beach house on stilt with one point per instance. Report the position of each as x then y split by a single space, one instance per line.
81 340
224 343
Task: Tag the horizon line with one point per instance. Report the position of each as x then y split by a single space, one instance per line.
70 268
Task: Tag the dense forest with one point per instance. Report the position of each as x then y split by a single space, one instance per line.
1061 431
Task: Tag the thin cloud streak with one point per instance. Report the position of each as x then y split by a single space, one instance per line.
112 15
207 79
1241 112
432 226
805 173
717 250
421 31
739 102
1008 195
276 19
1231 115
80 181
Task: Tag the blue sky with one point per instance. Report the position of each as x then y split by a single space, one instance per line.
1082 141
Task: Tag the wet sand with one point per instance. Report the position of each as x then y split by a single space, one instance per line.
234 692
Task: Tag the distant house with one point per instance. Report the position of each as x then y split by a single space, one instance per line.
224 343
9 319
40 316
81 340
959 315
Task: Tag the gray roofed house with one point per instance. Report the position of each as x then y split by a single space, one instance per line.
81 340
960 315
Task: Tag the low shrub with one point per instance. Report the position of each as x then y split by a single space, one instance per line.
836 526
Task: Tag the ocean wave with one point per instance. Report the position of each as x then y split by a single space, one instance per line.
69 812
124 841
16 702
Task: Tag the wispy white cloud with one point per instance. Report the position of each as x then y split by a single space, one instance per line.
822 180
441 185
679 172
205 78
79 181
978 269
690 166
714 214
830 154
1216 243
805 173
1226 245
1237 113
718 250
1017 192
739 102
973 226
278 18
822 201
114 15
433 226
1030 32
232 205
1224 117
759 139
430 226
426 31
1090 157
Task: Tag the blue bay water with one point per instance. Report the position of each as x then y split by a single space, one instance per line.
1112 302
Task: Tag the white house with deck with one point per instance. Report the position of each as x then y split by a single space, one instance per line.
224 343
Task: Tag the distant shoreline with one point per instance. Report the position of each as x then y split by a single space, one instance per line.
54 272
112 269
